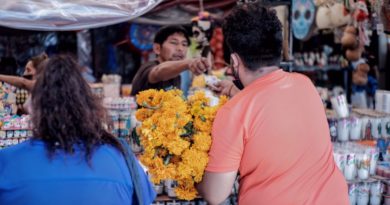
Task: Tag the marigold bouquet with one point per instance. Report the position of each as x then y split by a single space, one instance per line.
176 136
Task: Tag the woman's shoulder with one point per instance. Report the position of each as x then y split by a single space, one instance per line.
20 148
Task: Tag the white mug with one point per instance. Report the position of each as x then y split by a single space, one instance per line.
352 192
376 128
364 122
363 194
343 130
355 128
350 166
385 125
339 158
340 105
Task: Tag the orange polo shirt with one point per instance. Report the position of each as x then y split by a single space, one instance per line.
275 133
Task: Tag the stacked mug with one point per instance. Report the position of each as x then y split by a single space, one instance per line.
356 161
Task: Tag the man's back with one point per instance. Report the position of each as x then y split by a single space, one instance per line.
282 147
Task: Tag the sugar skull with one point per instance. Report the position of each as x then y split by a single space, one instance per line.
303 12
202 28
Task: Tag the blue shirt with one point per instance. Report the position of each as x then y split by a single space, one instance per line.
29 177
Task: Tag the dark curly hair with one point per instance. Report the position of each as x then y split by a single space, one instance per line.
254 32
65 112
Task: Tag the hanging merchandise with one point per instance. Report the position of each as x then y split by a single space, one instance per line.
331 14
352 43
141 36
339 15
323 18
356 34
303 18
385 16
202 31
360 73
216 44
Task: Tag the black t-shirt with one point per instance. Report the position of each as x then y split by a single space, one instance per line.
141 83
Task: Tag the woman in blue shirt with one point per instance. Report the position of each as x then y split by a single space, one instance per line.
72 158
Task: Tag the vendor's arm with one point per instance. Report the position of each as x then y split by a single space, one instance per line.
225 87
18 81
170 69
216 187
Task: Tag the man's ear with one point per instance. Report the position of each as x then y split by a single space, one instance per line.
235 60
157 48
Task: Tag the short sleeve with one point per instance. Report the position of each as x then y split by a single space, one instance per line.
228 142
141 81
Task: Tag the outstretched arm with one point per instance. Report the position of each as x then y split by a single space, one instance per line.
18 82
170 69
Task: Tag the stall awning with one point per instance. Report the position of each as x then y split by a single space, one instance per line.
61 15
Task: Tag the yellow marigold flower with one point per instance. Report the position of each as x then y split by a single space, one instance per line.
183 120
201 158
198 97
166 117
177 146
186 190
202 124
199 82
143 114
146 97
222 100
202 141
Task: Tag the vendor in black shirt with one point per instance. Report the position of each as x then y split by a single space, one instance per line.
170 46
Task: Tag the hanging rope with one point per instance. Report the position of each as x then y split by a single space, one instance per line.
201 5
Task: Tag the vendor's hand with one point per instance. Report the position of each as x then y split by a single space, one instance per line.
199 65
225 87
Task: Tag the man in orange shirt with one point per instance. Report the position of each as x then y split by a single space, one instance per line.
274 132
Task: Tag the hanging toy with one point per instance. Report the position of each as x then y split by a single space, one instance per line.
385 15
339 15
202 31
303 12
361 12
360 72
350 38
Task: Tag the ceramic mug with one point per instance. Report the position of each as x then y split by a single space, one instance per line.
363 194
340 105
352 192
355 128
364 123
343 130
376 128
339 158
350 166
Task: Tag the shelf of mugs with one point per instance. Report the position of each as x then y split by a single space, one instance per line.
97 89
356 161
121 103
359 128
6 142
364 193
15 122
122 122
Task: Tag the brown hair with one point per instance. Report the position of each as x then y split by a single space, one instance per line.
65 112
38 59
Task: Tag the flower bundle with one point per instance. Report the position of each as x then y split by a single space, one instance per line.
176 136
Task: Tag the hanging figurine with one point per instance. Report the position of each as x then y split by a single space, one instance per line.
202 30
